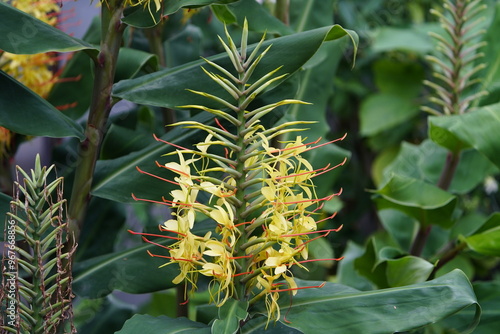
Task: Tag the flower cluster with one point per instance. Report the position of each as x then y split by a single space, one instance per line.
261 197
34 71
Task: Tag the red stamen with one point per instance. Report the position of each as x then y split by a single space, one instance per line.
155 176
154 243
171 144
330 142
332 168
168 257
148 200
315 260
220 125
171 231
303 245
67 106
331 217
153 235
240 257
312 232
248 272
245 223
294 147
300 288
184 303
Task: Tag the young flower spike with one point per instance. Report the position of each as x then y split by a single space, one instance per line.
264 205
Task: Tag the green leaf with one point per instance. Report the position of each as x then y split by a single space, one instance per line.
491 79
132 61
408 270
400 227
230 315
478 128
146 324
396 77
26 113
423 201
259 19
382 111
487 242
21 33
425 162
74 92
403 39
167 88
339 309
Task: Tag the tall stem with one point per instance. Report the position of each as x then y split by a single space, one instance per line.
452 160
104 72
282 11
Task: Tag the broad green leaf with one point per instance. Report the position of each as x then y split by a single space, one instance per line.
184 46
468 224
120 141
21 33
396 77
74 93
400 227
388 38
382 111
230 315
316 84
426 161
131 62
26 113
339 309
491 79
146 324
487 242
407 270
168 88
423 201
259 19
478 128
257 326
488 296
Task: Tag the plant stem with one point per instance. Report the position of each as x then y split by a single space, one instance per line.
155 40
444 183
282 11
100 107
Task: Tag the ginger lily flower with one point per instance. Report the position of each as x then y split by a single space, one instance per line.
265 206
